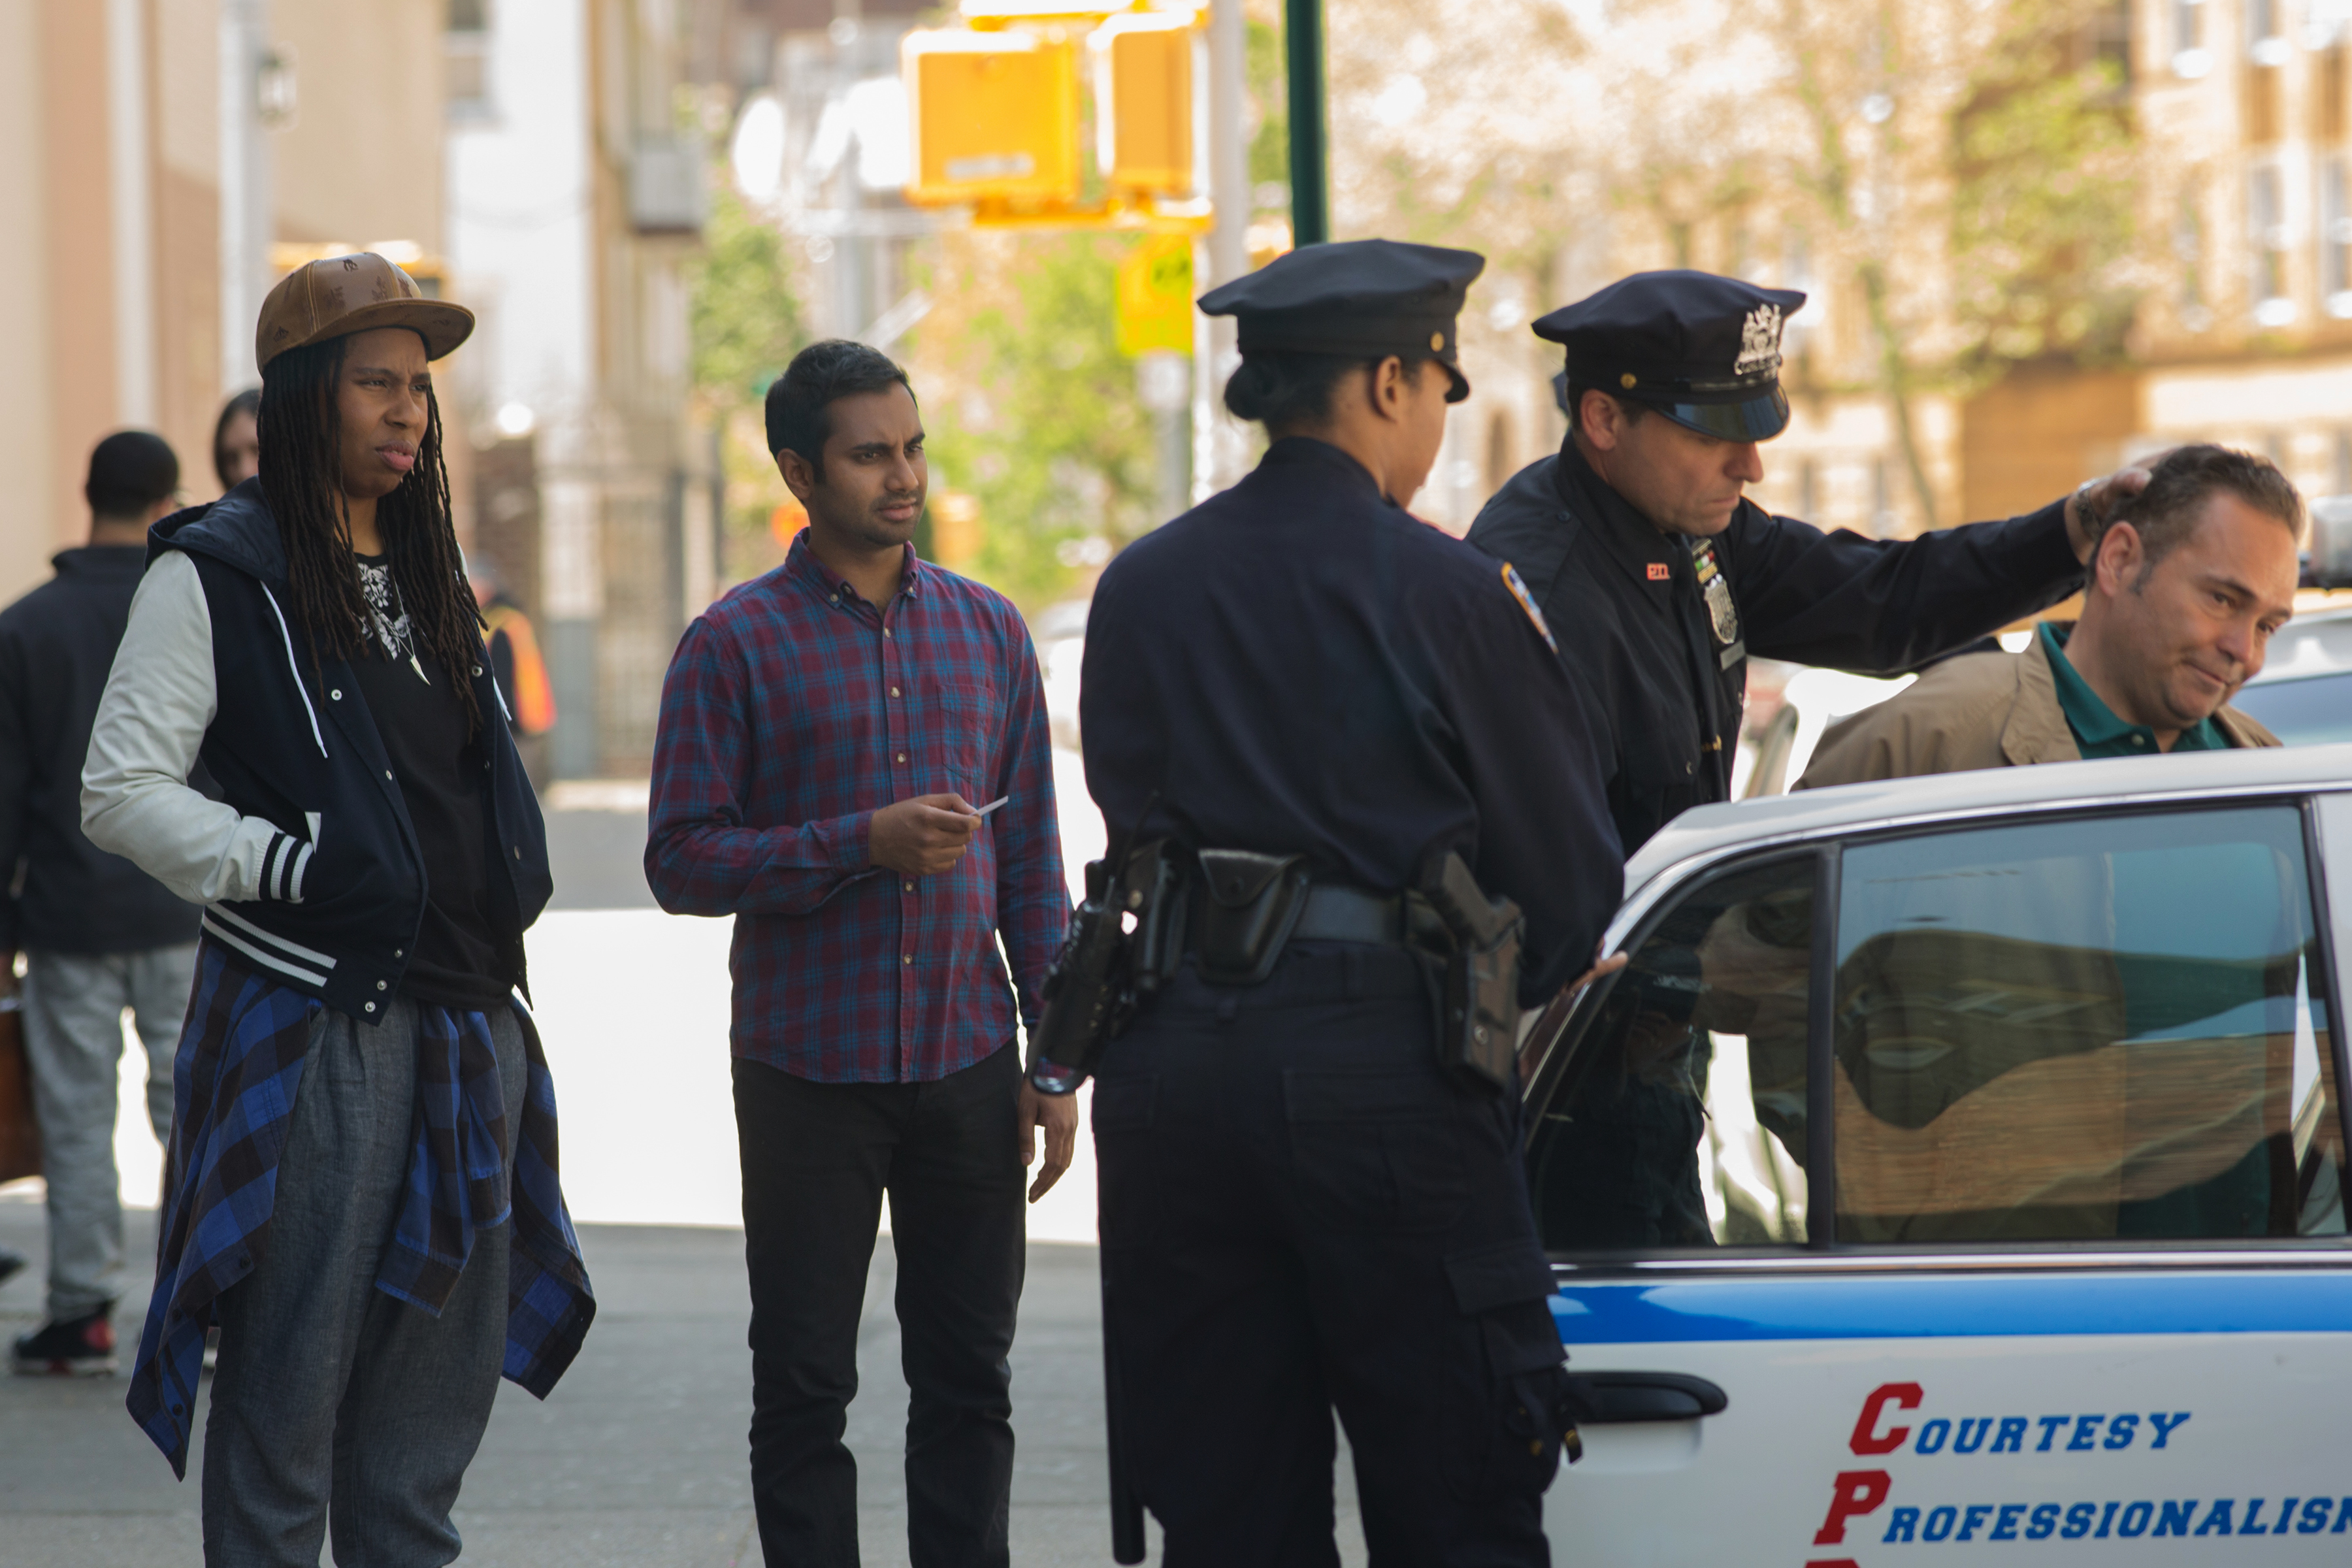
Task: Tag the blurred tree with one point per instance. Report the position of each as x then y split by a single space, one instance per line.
1030 408
1952 185
746 322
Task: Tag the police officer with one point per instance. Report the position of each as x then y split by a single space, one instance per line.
1301 1208
1661 581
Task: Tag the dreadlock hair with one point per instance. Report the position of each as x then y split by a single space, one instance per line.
302 478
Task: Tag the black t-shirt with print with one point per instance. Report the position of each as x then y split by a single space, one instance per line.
439 768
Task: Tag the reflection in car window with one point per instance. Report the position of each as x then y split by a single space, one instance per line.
2303 712
1683 1121
2107 1028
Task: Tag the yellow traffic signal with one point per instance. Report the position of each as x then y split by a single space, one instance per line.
995 116
1144 112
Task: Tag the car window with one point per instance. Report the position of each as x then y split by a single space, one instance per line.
2311 712
1682 1121
2102 1028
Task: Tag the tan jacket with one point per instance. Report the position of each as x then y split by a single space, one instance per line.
1979 711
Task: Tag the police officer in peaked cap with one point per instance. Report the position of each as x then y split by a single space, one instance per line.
1305 1207
1660 581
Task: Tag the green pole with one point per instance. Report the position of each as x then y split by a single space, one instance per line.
1311 163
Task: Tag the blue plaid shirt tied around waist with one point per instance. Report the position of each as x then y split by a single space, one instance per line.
238 1072
793 712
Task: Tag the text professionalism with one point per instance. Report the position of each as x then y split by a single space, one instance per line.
1857 1496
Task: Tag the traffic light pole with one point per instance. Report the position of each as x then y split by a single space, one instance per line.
1310 164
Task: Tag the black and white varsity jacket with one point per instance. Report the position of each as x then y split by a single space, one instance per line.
309 866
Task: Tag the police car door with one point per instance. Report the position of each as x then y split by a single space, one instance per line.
1970 1189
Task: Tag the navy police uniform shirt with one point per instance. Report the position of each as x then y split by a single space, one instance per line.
1297 666
1662 625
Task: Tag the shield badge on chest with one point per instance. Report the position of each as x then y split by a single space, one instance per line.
1722 614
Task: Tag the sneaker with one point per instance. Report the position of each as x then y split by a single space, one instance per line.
78 1347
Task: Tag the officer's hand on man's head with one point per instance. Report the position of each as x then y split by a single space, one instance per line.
2095 500
1058 1116
923 835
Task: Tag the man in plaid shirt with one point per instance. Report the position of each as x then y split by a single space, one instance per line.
832 737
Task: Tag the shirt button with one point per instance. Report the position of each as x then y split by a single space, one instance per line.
478 669
905 957
371 1007
894 691
382 987
902 756
336 695
400 953
886 631
833 599
387 773
910 887
518 851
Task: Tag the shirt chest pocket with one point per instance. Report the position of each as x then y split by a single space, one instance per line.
957 727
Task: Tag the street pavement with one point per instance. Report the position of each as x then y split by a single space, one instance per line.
638 1456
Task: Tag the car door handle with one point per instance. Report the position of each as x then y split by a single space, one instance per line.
1604 1397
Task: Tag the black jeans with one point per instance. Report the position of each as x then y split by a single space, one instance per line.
1302 1212
818 1158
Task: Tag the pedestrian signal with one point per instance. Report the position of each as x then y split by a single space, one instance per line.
1155 296
1145 68
994 116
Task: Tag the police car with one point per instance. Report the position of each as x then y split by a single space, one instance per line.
1955 1172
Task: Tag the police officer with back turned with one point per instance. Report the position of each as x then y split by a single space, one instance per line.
1335 734
1661 581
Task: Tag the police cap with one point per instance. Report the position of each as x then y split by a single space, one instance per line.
1365 299
1702 350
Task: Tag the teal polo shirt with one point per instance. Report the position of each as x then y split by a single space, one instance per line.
2097 732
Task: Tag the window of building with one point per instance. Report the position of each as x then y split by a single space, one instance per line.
2266 236
2265 40
1882 500
2188 250
466 45
2191 59
2336 235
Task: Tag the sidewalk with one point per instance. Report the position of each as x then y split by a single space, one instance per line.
636 1461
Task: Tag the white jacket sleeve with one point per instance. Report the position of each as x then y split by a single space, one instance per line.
135 800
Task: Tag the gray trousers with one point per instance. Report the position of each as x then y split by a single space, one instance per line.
333 1402
74 1004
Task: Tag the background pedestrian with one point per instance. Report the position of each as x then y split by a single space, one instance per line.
828 734
100 936
237 439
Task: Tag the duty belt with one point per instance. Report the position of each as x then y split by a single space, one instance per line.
1334 914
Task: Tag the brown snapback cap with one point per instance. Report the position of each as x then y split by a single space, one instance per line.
344 294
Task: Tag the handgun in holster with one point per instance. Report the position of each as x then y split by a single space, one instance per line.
1119 952
1477 941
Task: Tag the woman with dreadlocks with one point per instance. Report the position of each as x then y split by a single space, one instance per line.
363 1194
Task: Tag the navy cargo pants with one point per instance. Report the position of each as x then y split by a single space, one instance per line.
1302 1212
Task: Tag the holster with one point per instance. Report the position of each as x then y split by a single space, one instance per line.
1122 945
1477 941
1245 908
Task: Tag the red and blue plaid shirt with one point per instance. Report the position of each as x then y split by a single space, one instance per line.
793 712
